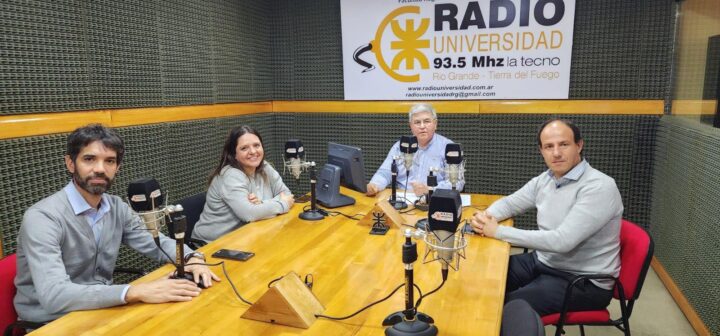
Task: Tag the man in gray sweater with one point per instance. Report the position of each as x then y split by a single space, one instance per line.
68 242
579 210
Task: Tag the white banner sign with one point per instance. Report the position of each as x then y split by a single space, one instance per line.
440 50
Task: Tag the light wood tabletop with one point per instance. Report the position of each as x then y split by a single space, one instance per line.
350 267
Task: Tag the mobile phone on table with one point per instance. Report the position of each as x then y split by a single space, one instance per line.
233 254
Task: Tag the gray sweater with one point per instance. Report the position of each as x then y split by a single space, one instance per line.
579 222
227 206
60 268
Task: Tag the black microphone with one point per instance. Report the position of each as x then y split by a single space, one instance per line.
408 146
179 220
431 183
145 197
443 221
454 160
294 156
179 226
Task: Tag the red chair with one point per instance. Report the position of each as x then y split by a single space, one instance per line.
636 251
8 316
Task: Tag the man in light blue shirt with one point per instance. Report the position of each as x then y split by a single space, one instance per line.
430 154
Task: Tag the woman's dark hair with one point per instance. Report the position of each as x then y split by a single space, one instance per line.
228 153
83 136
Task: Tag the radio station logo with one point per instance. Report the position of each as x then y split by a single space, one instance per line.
398 45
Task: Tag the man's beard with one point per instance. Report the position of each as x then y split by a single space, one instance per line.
97 189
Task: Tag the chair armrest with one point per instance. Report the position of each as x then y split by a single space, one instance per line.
571 285
575 280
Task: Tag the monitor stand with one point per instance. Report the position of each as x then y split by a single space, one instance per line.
328 188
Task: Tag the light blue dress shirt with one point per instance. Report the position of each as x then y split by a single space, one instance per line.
572 175
433 155
82 208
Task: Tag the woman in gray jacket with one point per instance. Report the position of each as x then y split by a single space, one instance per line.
243 188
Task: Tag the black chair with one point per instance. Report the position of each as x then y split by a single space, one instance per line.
192 207
519 319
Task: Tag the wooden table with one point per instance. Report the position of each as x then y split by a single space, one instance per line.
351 269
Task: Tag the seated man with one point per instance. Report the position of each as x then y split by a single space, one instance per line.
68 242
430 154
578 215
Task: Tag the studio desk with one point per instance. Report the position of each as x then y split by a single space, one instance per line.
350 267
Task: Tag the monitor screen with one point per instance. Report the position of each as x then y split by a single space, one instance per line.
350 161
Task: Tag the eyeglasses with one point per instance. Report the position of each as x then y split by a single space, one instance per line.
420 122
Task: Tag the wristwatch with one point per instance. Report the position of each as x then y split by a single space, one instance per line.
194 254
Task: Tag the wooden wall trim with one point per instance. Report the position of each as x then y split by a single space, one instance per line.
628 107
16 126
296 106
693 107
623 107
682 302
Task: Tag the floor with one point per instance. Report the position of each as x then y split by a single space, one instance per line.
655 313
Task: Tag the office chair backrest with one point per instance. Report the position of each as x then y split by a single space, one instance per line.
8 269
193 206
636 251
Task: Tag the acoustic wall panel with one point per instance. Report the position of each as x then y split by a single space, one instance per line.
185 53
44 64
124 57
686 211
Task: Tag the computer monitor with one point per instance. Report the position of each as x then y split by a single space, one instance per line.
350 161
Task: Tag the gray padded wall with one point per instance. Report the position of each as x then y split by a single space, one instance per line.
44 59
686 212
622 49
123 53
82 55
307 50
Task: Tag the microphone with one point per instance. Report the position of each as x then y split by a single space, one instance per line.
443 221
455 164
179 226
179 220
432 182
408 146
145 196
295 157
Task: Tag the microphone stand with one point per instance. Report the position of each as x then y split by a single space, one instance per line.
409 321
180 224
313 214
431 183
399 205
